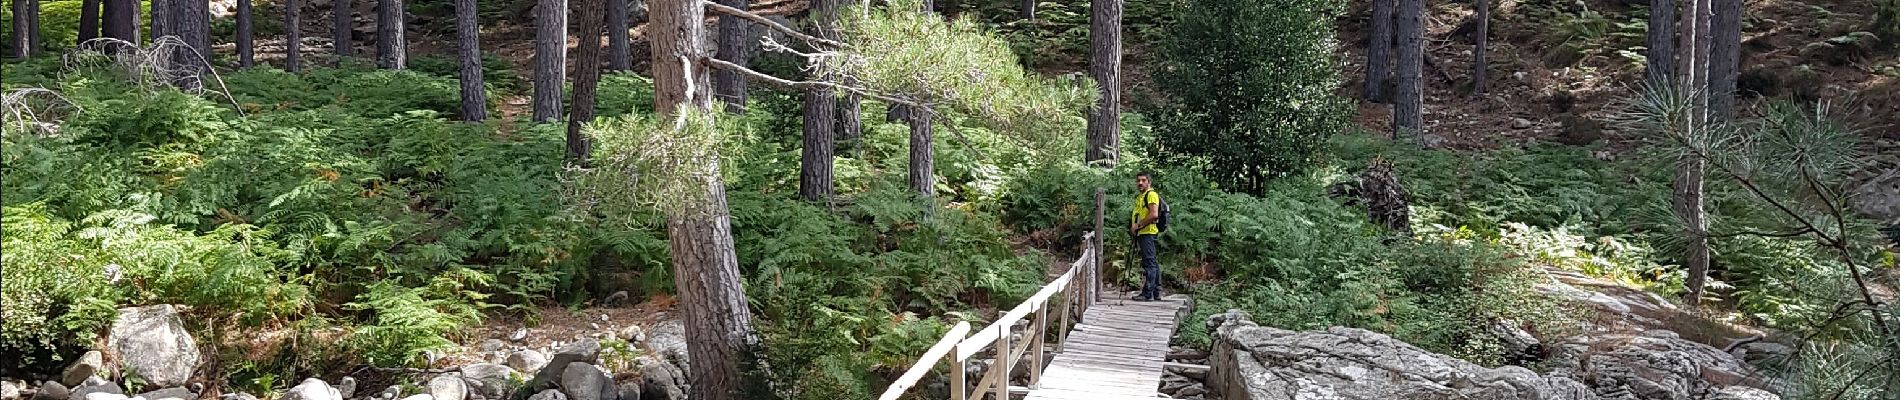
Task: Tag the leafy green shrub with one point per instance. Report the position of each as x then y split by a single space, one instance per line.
370 93
1249 89
496 72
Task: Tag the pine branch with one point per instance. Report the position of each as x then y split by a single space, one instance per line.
762 20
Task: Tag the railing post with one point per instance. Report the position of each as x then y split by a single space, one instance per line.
1035 348
1095 275
1002 365
958 374
1068 301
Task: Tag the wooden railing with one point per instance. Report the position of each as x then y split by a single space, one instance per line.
1071 294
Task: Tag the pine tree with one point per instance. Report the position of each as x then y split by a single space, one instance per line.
121 22
586 77
1480 38
821 106
245 49
193 18
734 35
1379 50
88 20
1407 112
550 58
1661 42
342 33
22 40
293 35
619 44
392 49
1725 57
469 55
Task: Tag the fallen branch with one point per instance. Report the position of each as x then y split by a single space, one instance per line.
766 78
762 20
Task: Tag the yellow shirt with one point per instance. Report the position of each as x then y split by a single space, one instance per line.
1141 211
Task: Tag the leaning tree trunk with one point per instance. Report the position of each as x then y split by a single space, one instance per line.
1725 57
619 45
22 42
1659 69
293 35
1407 118
342 33
1379 50
245 47
469 53
720 339
193 19
122 22
586 78
88 20
1479 39
1105 63
550 58
821 106
734 33
392 50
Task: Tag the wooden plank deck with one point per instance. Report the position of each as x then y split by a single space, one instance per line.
1114 353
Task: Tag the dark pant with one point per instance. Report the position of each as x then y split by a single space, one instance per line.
1150 269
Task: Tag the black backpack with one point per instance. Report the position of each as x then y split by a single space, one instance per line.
1161 224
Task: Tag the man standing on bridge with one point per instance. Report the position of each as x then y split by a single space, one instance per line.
1147 222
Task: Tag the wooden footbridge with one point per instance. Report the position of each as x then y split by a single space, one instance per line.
1113 350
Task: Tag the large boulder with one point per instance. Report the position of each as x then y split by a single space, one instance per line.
490 380
668 339
447 387
527 360
585 351
663 380
86 366
152 342
1653 365
51 390
1258 363
583 381
312 389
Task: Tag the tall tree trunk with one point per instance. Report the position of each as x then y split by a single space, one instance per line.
33 42
850 117
293 35
392 50
122 22
22 40
245 47
469 53
821 106
586 77
619 45
1659 68
343 32
162 19
88 20
1407 113
193 19
1725 57
734 44
1692 67
720 339
1105 63
550 58
923 158
1480 38
1029 10
1379 50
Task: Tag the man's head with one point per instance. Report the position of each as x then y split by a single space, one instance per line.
1144 181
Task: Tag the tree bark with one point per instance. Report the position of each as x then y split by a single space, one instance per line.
1029 10
88 20
1692 66
699 234
245 46
1725 58
1407 113
550 58
1480 39
1105 63
1379 50
734 34
193 19
469 55
850 116
122 22
293 35
392 50
923 158
33 42
342 34
821 106
162 19
1659 68
22 40
1689 206
586 77
619 45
